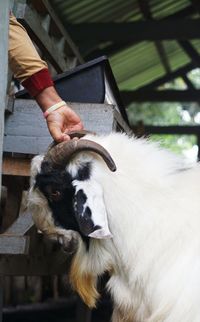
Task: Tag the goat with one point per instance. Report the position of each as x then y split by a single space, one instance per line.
153 211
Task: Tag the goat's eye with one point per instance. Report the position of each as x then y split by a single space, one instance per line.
55 195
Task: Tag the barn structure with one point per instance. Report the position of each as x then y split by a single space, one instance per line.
148 43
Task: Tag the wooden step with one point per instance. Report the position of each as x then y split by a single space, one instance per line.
26 130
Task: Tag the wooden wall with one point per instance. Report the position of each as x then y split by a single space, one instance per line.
4 12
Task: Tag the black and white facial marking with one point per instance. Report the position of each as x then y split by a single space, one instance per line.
83 213
68 203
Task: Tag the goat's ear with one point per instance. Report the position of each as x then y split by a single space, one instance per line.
90 210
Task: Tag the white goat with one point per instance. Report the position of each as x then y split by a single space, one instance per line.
153 211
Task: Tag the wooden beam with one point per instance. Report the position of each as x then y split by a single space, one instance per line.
31 265
163 57
190 51
4 18
4 194
188 82
21 225
146 11
73 48
55 307
83 313
15 187
160 96
26 130
138 30
169 77
196 5
33 24
14 245
176 129
113 48
16 166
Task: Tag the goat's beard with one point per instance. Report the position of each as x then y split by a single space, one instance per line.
84 283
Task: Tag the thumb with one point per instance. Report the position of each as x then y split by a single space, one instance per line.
57 134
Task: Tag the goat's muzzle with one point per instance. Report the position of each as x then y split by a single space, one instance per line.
59 155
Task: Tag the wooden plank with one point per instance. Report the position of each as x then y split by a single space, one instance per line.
137 30
116 47
13 313
10 104
21 144
190 51
169 77
15 186
83 313
21 225
26 130
4 14
3 197
16 166
196 5
145 9
175 129
14 245
188 82
121 124
34 25
160 96
1 297
163 56
63 31
34 264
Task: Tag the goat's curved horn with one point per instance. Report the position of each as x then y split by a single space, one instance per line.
72 134
79 134
60 154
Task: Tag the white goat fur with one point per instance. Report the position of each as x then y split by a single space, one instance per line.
154 215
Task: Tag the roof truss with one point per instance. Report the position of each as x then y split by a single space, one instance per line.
138 30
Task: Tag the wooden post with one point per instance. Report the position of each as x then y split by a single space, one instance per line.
1 298
198 143
4 12
83 313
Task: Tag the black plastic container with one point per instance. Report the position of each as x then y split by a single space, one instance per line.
87 84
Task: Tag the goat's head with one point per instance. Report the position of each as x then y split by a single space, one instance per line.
64 200
61 189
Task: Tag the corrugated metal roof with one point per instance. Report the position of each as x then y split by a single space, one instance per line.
137 64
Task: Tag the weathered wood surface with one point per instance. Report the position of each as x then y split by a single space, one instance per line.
34 25
14 197
26 130
71 46
16 166
14 245
83 313
43 257
121 124
31 265
4 13
22 225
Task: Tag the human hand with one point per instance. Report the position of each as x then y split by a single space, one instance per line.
61 121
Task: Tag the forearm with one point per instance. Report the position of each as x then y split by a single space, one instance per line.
47 98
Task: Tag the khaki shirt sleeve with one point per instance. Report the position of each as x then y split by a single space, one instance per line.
24 59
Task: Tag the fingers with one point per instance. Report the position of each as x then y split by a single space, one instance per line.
57 134
60 123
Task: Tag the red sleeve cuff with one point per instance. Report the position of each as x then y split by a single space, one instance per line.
38 81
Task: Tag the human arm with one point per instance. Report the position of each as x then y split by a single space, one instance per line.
33 74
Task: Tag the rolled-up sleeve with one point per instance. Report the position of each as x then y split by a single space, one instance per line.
24 60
